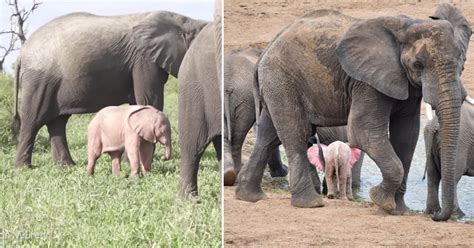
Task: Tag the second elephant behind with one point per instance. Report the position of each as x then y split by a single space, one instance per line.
464 161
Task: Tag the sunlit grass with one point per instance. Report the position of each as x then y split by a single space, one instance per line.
57 206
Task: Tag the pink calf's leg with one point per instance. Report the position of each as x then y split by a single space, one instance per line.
329 171
146 156
116 160
94 148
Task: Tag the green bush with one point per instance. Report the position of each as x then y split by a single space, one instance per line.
6 111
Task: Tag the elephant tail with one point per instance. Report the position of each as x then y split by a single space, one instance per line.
320 152
256 90
227 115
15 126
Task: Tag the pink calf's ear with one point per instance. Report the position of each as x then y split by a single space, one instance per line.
141 121
313 156
355 155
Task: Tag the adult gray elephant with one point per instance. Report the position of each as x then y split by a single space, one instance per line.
329 69
80 63
239 109
464 161
199 101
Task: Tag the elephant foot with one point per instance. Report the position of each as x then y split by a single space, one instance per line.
309 199
281 171
229 177
24 166
432 209
382 198
401 207
63 159
249 195
330 196
65 163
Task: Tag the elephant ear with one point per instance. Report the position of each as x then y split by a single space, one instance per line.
369 52
164 37
462 29
142 120
355 156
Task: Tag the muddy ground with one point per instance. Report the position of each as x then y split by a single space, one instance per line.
274 222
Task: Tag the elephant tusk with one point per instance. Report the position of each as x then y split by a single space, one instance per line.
469 100
428 111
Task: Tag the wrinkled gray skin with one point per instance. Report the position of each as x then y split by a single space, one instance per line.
200 103
327 69
80 63
239 109
239 101
464 161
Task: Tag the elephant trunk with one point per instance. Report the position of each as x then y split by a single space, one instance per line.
168 150
166 141
448 111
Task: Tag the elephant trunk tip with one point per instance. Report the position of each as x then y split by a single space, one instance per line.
167 155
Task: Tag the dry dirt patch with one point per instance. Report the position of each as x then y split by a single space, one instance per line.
274 222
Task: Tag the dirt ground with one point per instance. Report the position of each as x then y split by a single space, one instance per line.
274 222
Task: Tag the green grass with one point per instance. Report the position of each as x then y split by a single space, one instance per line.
57 206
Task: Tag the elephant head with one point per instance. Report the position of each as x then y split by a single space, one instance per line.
152 126
392 53
165 37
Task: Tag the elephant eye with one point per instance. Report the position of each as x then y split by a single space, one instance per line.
418 65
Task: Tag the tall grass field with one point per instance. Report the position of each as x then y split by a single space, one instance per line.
53 205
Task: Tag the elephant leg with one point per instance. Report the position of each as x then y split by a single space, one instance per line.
434 178
356 171
294 133
313 173
328 175
148 83
192 147
404 131
368 129
240 127
116 160
342 180
250 176
277 168
350 195
24 150
457 210
92 156
57 136
191 153
146 156
132 148
230 174
325 186
217 143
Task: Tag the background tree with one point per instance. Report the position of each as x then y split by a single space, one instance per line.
19 16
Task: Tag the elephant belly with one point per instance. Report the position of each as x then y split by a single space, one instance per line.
88 94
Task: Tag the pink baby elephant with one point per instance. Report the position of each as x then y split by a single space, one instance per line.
135 129
338 159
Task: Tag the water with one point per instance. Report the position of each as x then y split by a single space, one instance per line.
415 197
